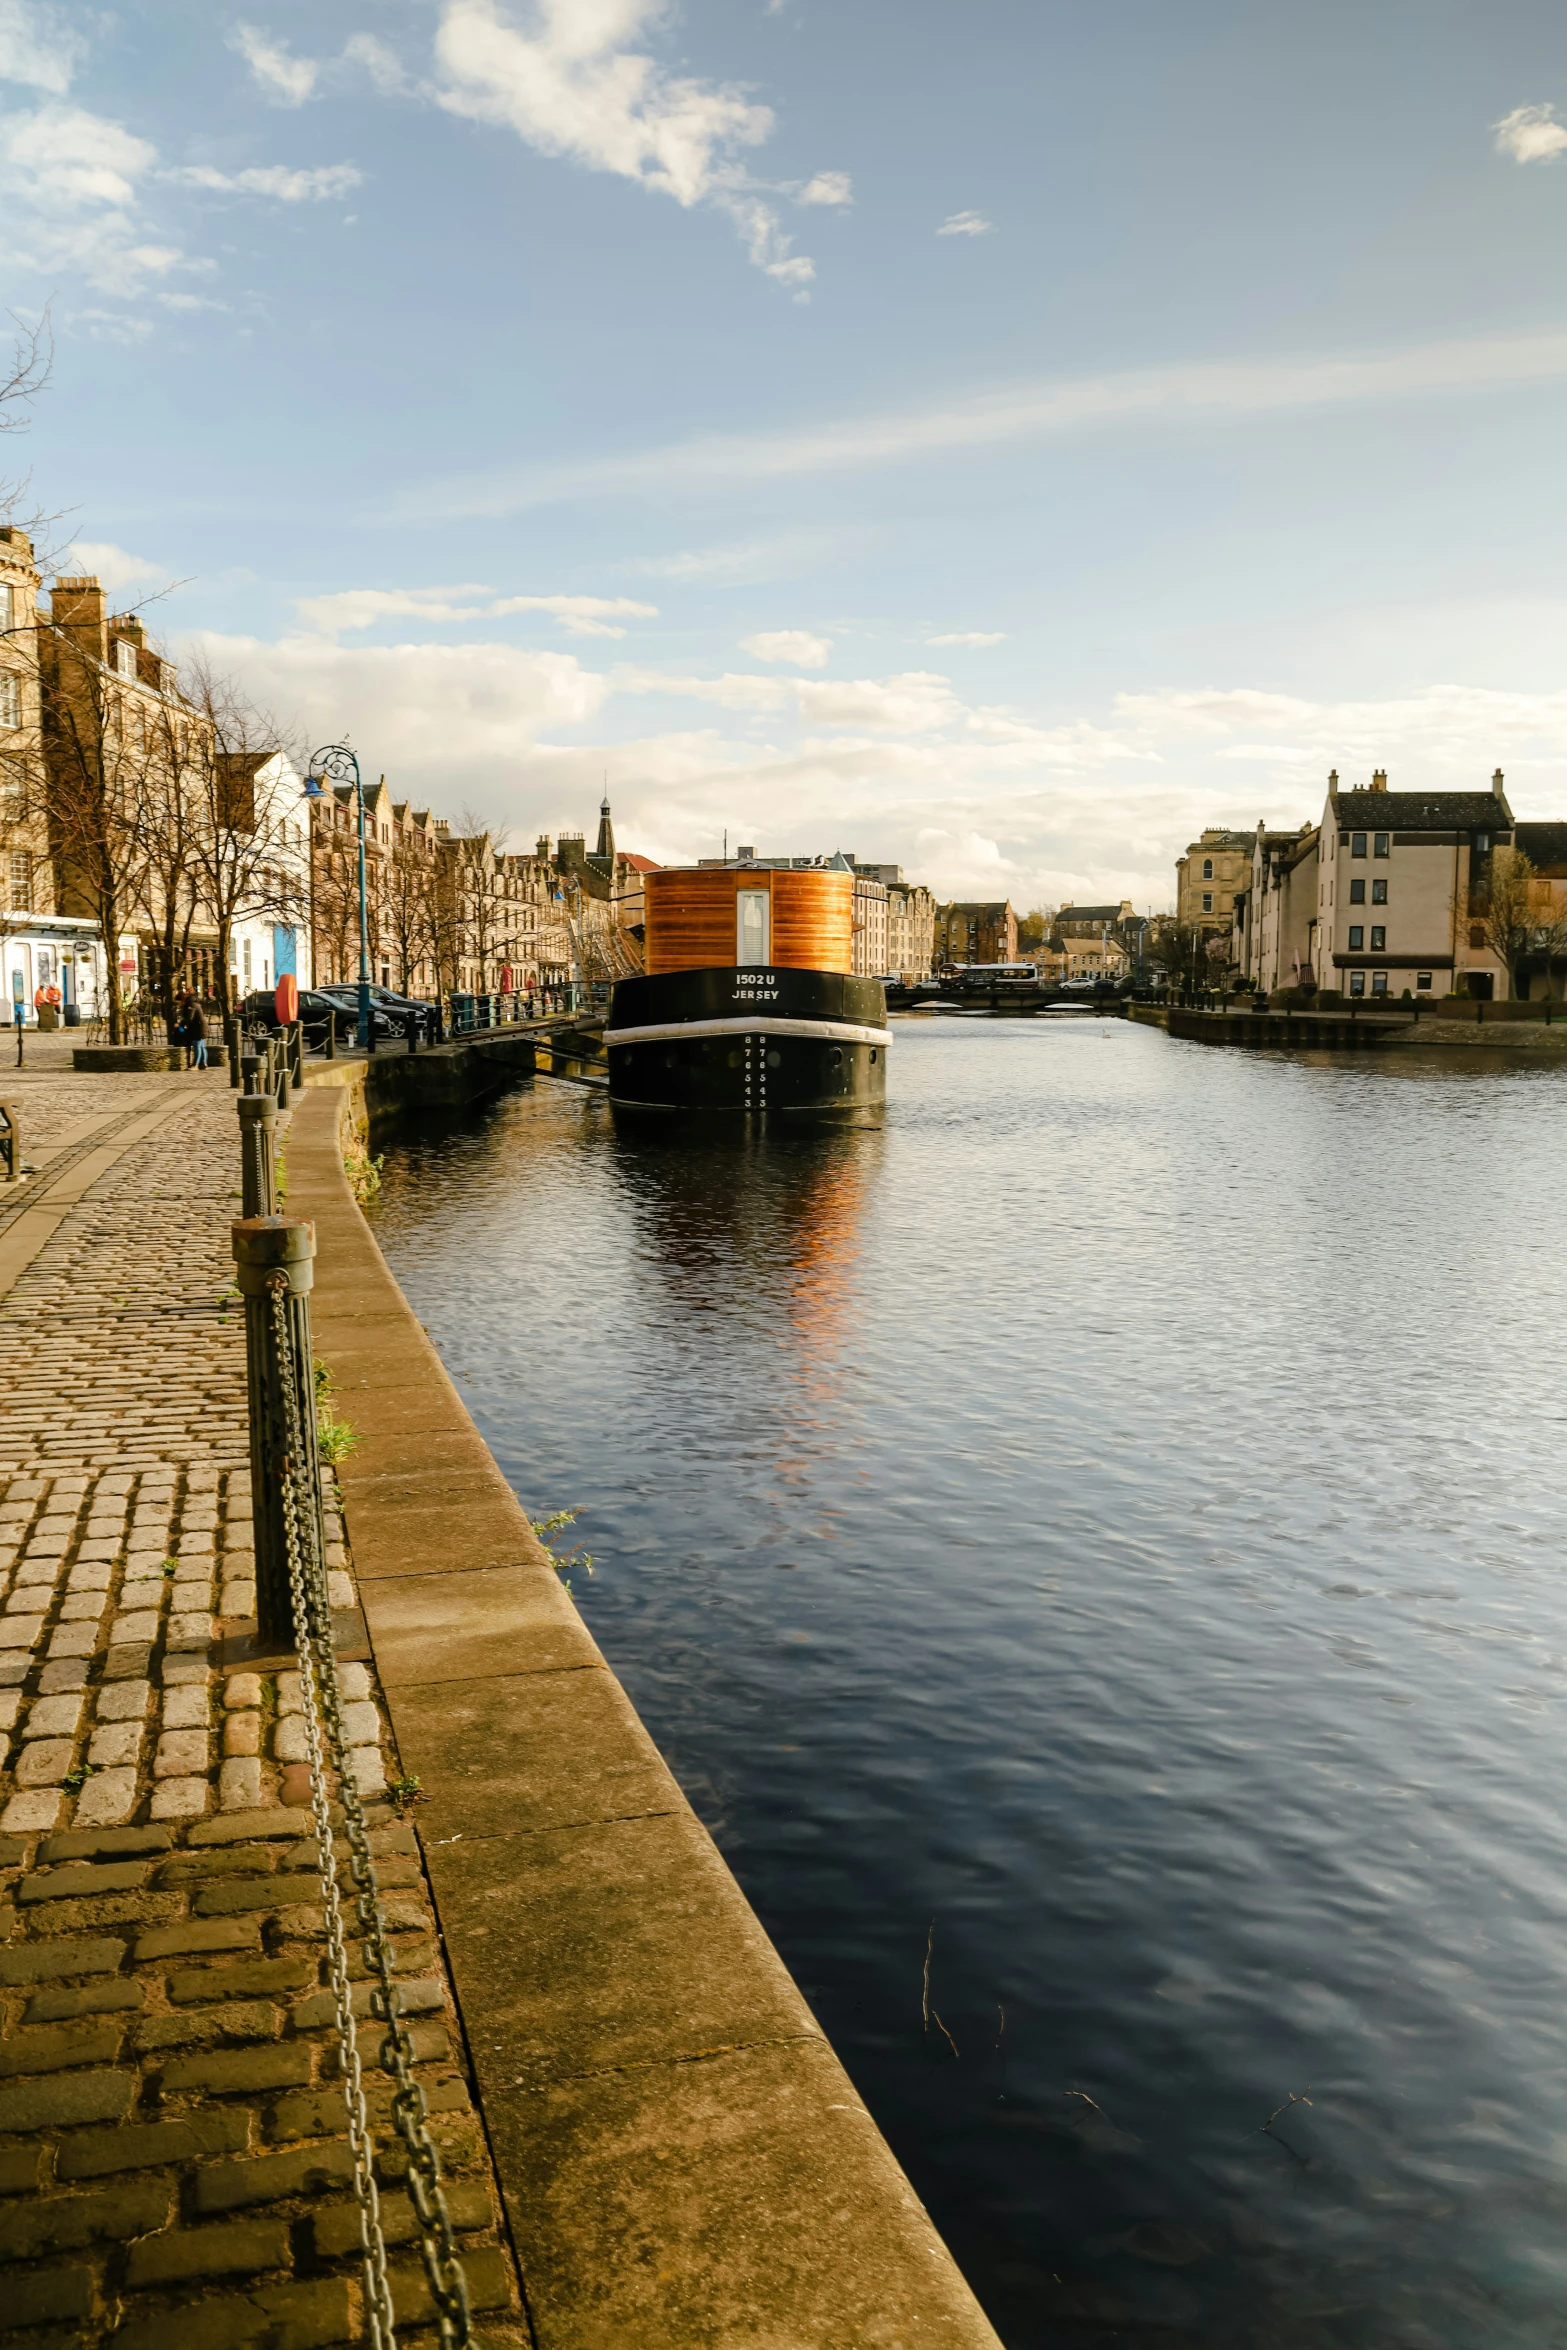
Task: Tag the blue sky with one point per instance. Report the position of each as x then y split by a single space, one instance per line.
999 440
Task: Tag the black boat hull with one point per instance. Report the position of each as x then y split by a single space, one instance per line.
753 1041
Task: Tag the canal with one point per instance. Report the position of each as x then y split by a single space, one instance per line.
1093 1552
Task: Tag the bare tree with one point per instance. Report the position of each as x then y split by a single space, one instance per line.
100 754
22 377
251 846
409 905
1521 916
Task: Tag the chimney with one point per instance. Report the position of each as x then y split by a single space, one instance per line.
77 606
544 848
1379 780
1333 779
1496 783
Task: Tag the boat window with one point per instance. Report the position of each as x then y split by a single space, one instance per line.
753 943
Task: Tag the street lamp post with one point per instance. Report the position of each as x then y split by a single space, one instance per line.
339 763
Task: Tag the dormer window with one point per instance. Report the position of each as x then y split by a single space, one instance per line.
125 658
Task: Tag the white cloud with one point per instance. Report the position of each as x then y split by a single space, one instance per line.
789 644
289 80
37 47
971 798
970 636
916 703
385 68
355 608
573 84
69 188
966 224
313 185
828 187
113 565
1196 392
730 692
748 563
441 719
1530 134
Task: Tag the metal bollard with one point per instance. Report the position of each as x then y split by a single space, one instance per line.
264 1248
231 1047
250 1069
330 1047
258 1154
281 1064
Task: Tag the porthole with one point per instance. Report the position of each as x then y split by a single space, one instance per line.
775 1059
835 1058
873 1056
734 1060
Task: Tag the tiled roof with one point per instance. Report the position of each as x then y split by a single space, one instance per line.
1545 845
1418 811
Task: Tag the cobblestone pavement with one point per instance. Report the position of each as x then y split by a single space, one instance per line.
174 2166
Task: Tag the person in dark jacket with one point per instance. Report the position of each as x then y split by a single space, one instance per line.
194 1028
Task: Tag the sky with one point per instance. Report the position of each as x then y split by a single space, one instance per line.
998 440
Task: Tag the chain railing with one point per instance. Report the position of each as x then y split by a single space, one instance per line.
275 1272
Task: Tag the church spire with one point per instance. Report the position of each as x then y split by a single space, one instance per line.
606 839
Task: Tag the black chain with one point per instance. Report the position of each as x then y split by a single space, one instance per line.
322 1702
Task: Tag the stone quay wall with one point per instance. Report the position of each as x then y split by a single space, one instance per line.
647 2138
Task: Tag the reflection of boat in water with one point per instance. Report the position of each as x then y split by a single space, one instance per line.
749 1001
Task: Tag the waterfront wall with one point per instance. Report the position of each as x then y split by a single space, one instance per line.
682 2158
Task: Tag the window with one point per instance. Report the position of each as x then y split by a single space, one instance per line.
21 882
1357 983
1476 934
1357 938
125 656
7 604
10 698
1379 893
1378 939
1357 893
1357 844
1207 868
1379 844
1207 901
753 926
1379 983
1422 979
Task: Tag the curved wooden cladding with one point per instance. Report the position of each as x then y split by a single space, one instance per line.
690 916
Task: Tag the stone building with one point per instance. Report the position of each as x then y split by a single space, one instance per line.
1388 894
131 793
1273 941
1207 878
975 932
1094 942
911 925
44 948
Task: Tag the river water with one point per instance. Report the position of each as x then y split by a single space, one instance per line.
1102 1531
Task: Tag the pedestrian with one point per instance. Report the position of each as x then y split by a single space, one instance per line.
196 1030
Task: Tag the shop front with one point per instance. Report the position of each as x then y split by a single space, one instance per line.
53 970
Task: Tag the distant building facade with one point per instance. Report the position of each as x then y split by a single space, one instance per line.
1207 878
1094 941
970 931
1389 894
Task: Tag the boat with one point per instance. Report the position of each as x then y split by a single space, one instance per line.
749 1001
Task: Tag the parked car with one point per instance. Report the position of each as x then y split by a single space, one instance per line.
392 1015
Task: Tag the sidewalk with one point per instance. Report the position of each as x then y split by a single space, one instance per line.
173 2162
